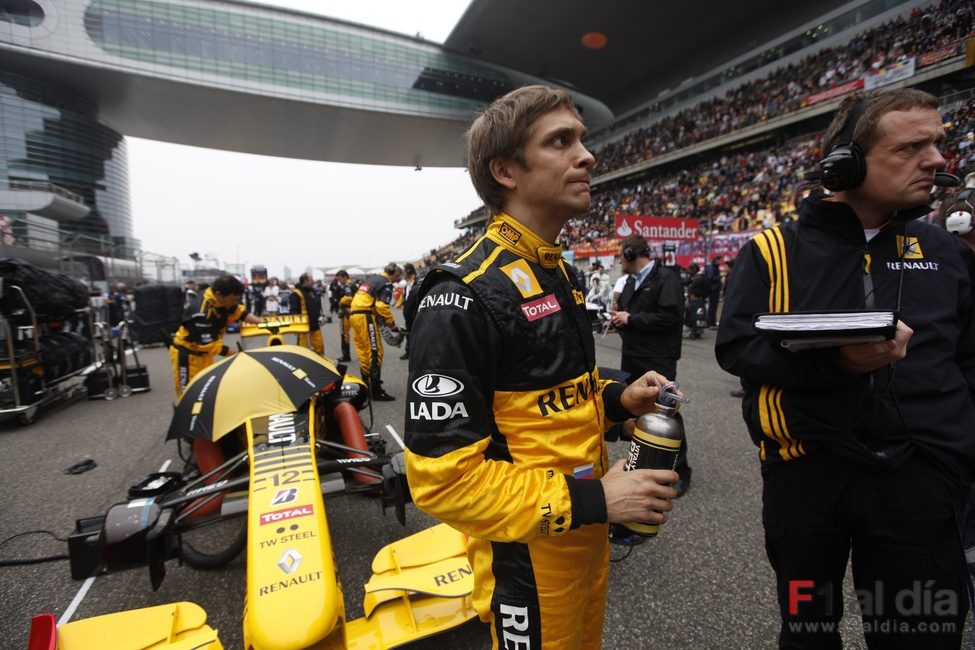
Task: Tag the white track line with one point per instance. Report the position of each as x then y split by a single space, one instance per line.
69 612
392 432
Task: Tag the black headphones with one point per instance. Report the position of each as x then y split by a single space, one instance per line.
630 253
845 166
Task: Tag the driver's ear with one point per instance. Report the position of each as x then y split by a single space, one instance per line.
501 172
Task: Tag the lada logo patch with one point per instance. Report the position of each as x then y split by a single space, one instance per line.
540 308
436 385
286 513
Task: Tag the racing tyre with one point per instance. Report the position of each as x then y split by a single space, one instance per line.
209 540
215 545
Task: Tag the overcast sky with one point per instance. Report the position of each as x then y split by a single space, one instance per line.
215 203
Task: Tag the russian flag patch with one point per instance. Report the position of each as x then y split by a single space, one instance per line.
583 471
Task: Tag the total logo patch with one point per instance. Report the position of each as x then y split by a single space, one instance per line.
286 513
435 385
541 307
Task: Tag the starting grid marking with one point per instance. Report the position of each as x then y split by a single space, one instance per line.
392 432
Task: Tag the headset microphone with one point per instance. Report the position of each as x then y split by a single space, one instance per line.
944 179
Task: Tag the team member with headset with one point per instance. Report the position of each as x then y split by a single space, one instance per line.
650 321
368 314
305 301
506 412
866 448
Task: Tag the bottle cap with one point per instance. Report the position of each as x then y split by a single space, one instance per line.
669 396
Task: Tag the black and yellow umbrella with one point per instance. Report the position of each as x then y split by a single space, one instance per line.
249 384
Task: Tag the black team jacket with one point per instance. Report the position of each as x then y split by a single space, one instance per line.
796 403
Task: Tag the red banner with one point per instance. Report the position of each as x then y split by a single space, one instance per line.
835 91
724 245
657 228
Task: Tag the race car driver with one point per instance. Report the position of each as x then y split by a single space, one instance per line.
506 411
370 304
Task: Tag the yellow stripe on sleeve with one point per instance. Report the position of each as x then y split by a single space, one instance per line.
485 265
763 247
779 242
471 249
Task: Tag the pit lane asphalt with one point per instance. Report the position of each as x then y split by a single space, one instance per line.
704 582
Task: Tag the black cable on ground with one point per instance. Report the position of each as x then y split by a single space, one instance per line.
36 560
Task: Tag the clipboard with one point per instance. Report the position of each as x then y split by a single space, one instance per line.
796 331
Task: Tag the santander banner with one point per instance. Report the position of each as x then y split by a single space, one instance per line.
657 228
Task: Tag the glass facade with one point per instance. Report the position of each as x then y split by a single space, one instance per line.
355 67
50 136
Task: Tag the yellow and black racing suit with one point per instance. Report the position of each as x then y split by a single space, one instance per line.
369 305
345 304
200 337
305 301
504 435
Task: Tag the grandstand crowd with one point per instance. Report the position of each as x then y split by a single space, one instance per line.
784 90
746 191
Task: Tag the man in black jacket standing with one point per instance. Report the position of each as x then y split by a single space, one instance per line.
867 449
713 274
650 321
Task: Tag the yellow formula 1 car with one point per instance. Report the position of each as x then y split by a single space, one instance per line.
290 458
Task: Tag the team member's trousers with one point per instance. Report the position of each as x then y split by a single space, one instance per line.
369 349
900 524
346 326
186 365
713 299
317 342
549 593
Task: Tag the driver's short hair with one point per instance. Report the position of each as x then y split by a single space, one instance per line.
503 130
